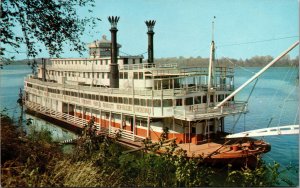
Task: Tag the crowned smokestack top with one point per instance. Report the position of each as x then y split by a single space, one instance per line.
150 24
114 69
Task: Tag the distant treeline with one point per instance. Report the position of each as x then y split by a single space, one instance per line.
256 61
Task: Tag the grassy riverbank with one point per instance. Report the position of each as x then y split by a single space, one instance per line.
34 160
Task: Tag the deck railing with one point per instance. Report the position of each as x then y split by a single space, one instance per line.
80 122
128 91
193 112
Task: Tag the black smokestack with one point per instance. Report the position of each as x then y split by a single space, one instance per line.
43 70
114 69
150 24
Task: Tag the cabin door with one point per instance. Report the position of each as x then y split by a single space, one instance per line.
131 123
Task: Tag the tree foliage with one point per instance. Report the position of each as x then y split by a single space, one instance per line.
37 162
51 22
256 61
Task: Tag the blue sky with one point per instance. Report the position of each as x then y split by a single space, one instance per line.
183 27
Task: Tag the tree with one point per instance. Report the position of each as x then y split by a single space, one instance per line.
51 22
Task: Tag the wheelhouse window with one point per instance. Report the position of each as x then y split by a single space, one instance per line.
197 100
189 101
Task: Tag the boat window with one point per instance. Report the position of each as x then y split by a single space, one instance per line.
93 97
141 61
88 75
133 61
204 99
140 75
130 100
97 97
121 75
89 96
98 75
125 101
125 75
120 100
107 75
178 102
147 77
211 98
93 75
125 61
110 99
84 75
197 100
106 98
136 101
102 75
149 102
115 99
101 98
135 75
220 97
189 101
157 103
167 103
143 102
193 130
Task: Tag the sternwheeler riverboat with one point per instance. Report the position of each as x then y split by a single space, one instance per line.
142 99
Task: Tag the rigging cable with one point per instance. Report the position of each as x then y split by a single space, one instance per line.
284 102
253 87
259 41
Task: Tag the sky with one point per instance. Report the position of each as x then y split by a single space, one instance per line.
243 28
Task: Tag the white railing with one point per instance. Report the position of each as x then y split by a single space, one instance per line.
79 122
194 112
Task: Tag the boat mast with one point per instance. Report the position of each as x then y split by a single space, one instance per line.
257 74
211 60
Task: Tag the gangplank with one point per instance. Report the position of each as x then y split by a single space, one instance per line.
271 131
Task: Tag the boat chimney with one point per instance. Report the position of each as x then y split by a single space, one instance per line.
43 70
150 24
114 69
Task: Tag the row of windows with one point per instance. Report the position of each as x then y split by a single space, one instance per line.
136 101
80 62
103 75
96 62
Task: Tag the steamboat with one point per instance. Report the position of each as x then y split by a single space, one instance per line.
140 99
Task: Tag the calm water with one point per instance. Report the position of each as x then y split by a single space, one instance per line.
274 102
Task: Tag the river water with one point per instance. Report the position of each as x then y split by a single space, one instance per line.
273 102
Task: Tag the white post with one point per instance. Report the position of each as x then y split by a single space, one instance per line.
109 123
148 126
134 131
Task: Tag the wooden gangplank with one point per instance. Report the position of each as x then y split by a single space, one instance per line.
271 131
